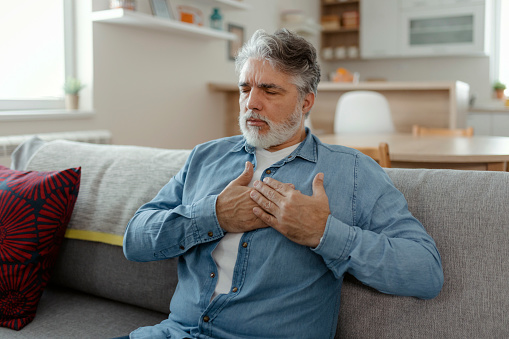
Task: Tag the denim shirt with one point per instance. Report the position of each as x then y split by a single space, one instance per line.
281 289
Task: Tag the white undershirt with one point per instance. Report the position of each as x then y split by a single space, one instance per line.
225 254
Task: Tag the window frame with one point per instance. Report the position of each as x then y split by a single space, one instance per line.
22 105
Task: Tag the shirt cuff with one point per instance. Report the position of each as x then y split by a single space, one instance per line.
205 219
336 241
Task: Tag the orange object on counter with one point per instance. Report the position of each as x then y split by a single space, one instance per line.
342 75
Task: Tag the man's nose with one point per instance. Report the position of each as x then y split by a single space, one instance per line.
254 101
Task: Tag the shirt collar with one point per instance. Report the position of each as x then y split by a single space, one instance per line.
307 149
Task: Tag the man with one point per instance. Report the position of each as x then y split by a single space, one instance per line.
266 224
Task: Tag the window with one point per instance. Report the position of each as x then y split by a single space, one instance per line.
34 57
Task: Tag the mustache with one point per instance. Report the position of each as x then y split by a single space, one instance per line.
253 115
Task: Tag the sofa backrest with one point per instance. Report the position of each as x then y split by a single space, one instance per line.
467 213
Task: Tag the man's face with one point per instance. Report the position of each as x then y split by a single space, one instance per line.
271 114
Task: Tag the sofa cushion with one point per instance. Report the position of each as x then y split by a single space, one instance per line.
69 314
35 208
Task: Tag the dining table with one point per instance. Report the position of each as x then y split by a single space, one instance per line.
485 153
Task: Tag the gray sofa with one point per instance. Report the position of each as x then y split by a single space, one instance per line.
96 293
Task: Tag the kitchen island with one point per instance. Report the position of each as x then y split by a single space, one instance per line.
433 104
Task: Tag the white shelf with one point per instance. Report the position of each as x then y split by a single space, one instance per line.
136 19
227 4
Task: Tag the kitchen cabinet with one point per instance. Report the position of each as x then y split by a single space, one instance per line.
340 29
489 123
481 122
444 29
500 124
423 28
379 34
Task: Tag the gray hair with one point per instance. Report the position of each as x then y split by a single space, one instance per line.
286 52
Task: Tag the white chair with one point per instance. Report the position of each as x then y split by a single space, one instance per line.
363 112
308 124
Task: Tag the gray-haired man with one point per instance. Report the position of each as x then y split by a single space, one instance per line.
266 224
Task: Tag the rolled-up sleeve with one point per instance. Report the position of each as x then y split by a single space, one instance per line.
386 247
165 228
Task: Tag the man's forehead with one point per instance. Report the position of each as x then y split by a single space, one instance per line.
261 74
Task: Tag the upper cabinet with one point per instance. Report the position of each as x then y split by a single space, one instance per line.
379 35
340 29
403 28
450 27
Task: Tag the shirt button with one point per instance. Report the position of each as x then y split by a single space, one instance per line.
212 275
235 289
210 234
206 319
182 247
244 245
268 171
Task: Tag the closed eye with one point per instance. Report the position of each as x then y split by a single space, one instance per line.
272 89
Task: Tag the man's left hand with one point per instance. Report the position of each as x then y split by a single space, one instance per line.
298 217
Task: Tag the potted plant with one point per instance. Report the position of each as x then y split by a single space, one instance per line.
499 89
72 87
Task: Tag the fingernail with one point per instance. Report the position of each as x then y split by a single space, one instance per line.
256 183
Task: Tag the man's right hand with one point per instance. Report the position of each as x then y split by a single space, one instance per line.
234 206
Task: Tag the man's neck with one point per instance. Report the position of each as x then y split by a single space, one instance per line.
296 139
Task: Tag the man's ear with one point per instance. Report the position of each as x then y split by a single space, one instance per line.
308 102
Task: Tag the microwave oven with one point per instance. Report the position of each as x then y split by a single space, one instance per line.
443 27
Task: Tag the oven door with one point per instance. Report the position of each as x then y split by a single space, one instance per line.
444 31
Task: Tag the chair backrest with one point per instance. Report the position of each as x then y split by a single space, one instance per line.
380 154
363 112
460 132
309 124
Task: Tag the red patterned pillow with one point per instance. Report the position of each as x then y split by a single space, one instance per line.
35 208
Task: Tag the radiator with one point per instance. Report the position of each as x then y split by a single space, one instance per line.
9 143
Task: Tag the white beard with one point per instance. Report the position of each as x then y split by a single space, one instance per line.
277 133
